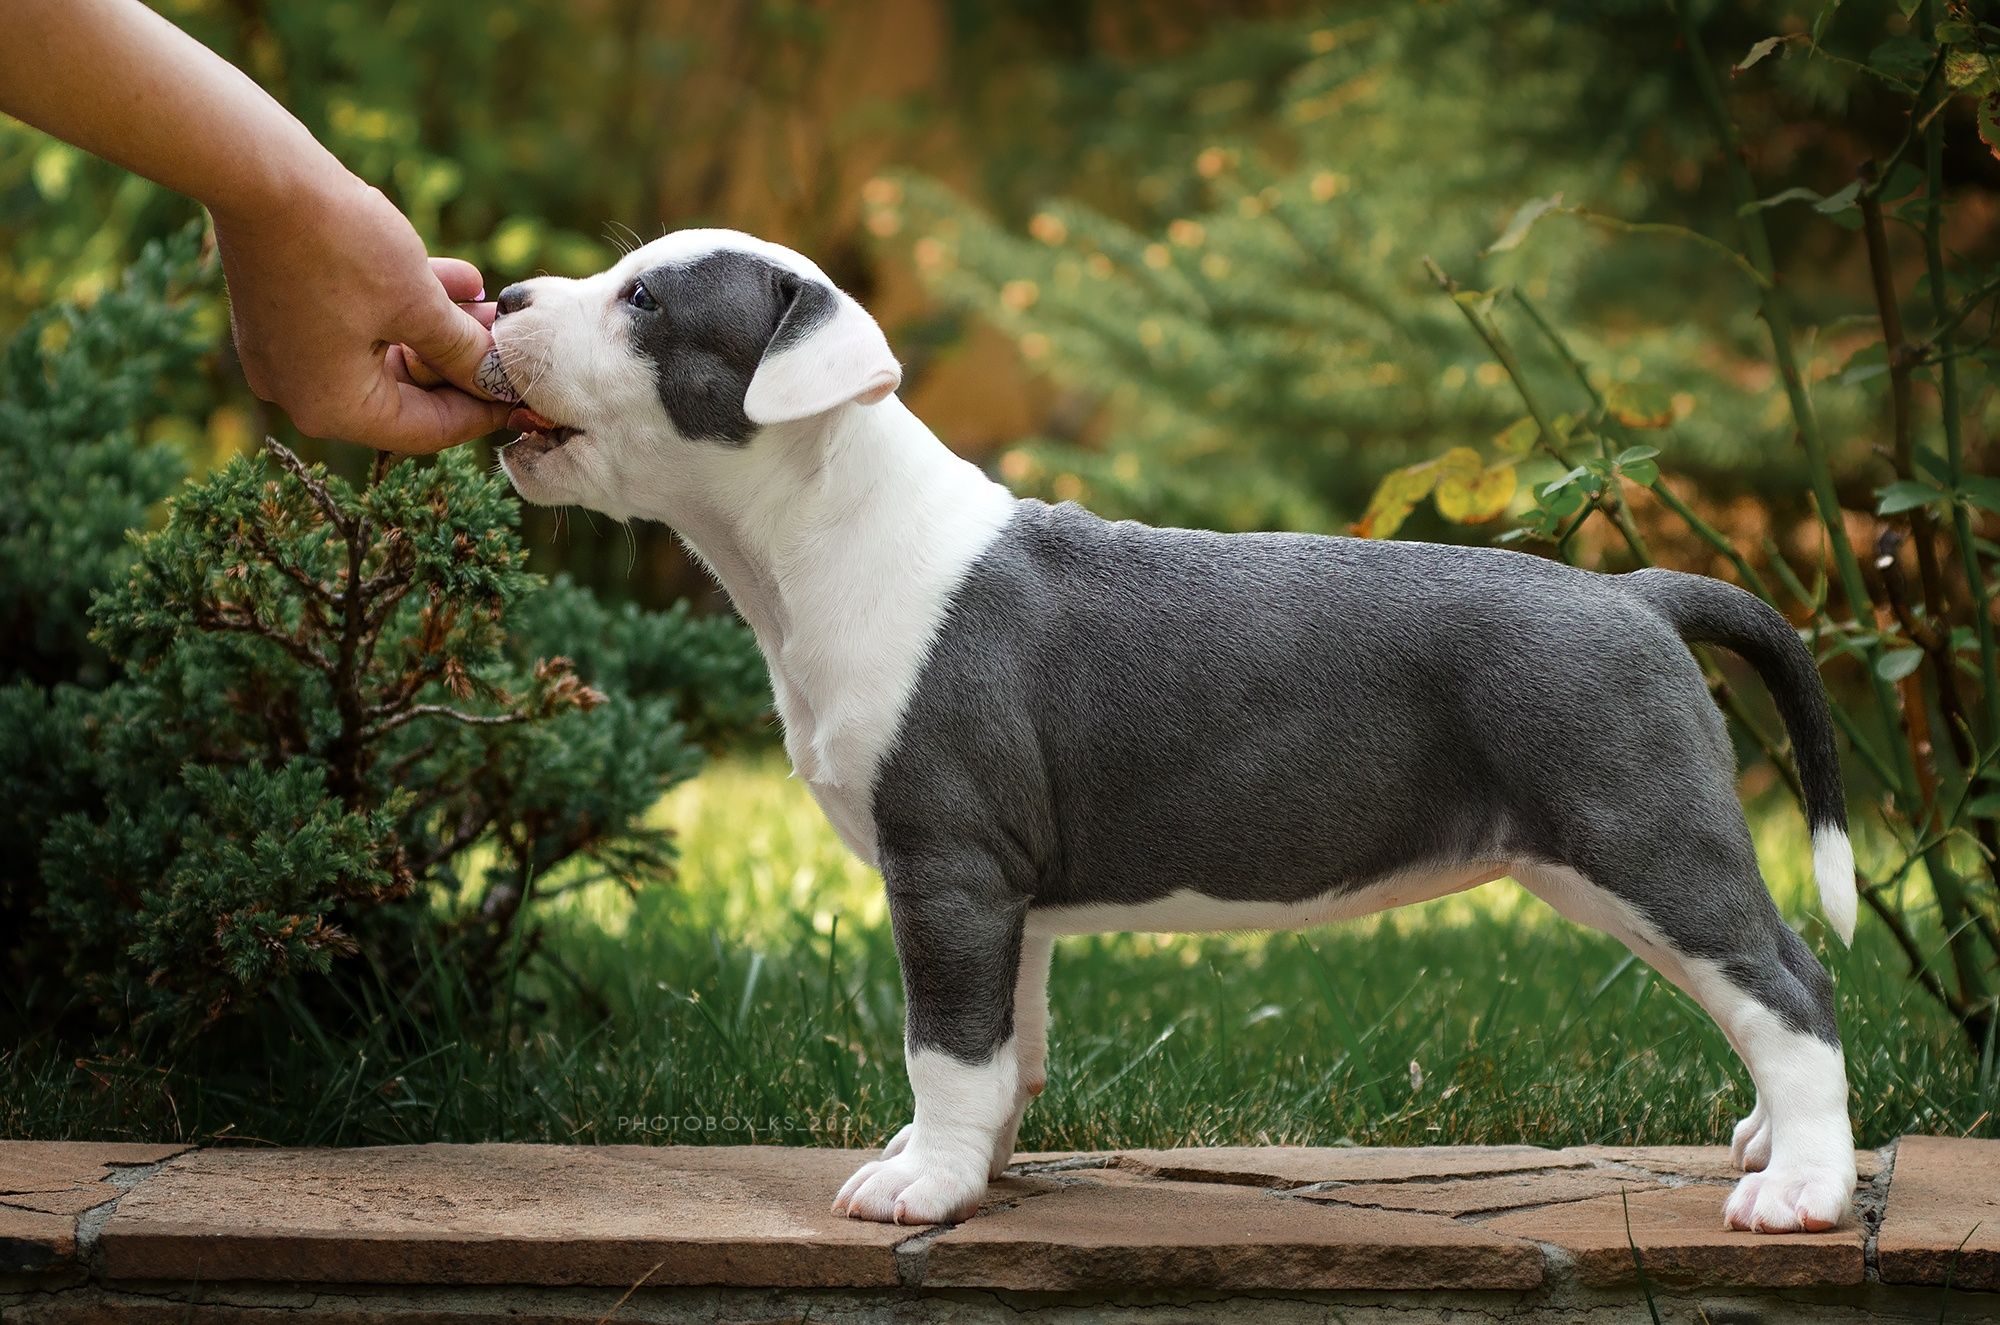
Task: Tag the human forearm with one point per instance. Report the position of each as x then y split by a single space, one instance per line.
134 89
334 303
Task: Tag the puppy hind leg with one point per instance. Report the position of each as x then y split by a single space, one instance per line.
1774 1003
1780 1006
1750 1142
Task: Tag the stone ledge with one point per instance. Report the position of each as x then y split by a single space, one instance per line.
46 1186
1942 1223
1509 1223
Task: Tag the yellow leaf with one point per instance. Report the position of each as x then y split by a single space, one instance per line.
1518 437
1395 497
1475 498
1640 404
1458 461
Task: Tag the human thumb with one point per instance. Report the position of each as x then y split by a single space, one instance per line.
451 341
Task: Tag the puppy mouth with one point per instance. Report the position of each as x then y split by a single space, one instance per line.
539 427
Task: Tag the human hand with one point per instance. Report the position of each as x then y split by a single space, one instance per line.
330 294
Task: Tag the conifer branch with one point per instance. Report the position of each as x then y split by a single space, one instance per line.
416 711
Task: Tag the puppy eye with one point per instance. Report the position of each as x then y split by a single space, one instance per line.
640 297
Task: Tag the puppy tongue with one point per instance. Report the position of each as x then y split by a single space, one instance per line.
524 419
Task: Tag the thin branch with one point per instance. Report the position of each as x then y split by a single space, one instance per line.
1963 533
1613 504
1623 226
1871 189
315 489
414 712
1666 496
1776 312
245 624
470 830
316 593
1949 320
1901 418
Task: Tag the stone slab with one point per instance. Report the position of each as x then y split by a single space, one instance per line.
494 1218
1093 1235
70 1201
1472 1196
45 1185
503 1214
32 1241
1300 1166
1943 1189
1697 1163
1679 1234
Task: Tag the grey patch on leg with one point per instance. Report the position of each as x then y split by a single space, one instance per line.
958 938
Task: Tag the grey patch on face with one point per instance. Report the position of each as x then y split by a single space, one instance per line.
810 309
1113 713
716 318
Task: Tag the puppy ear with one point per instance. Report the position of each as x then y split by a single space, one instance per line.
826 352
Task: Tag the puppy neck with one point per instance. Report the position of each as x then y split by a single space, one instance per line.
841 542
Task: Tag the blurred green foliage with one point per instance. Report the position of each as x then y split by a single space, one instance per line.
1233 292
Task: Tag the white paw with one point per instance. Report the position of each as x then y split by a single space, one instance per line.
904 1189
898 1141
1790 1200
1750 1146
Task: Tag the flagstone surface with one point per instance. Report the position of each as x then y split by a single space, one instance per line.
1507 1220
1942 1224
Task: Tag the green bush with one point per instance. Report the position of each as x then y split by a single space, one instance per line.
311 721
77 385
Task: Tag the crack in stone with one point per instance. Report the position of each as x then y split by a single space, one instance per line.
1067 1164
90 1224
912 1253
1440 1179
1871 1203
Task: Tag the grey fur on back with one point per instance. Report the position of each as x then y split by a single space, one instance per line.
1115 712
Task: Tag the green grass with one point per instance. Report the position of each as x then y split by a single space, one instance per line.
756 998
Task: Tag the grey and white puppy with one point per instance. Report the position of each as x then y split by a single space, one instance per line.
1037 722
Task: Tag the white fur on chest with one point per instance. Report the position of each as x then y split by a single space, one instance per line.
843 551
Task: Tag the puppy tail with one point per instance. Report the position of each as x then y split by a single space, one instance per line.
1707 611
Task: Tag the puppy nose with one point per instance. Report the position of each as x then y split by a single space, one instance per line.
512 299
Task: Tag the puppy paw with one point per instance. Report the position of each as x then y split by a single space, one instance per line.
1781 1200
1750 1145
898 1141
904 1189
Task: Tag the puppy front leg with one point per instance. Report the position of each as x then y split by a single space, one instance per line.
958 937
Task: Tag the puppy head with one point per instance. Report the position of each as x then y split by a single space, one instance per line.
647 384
